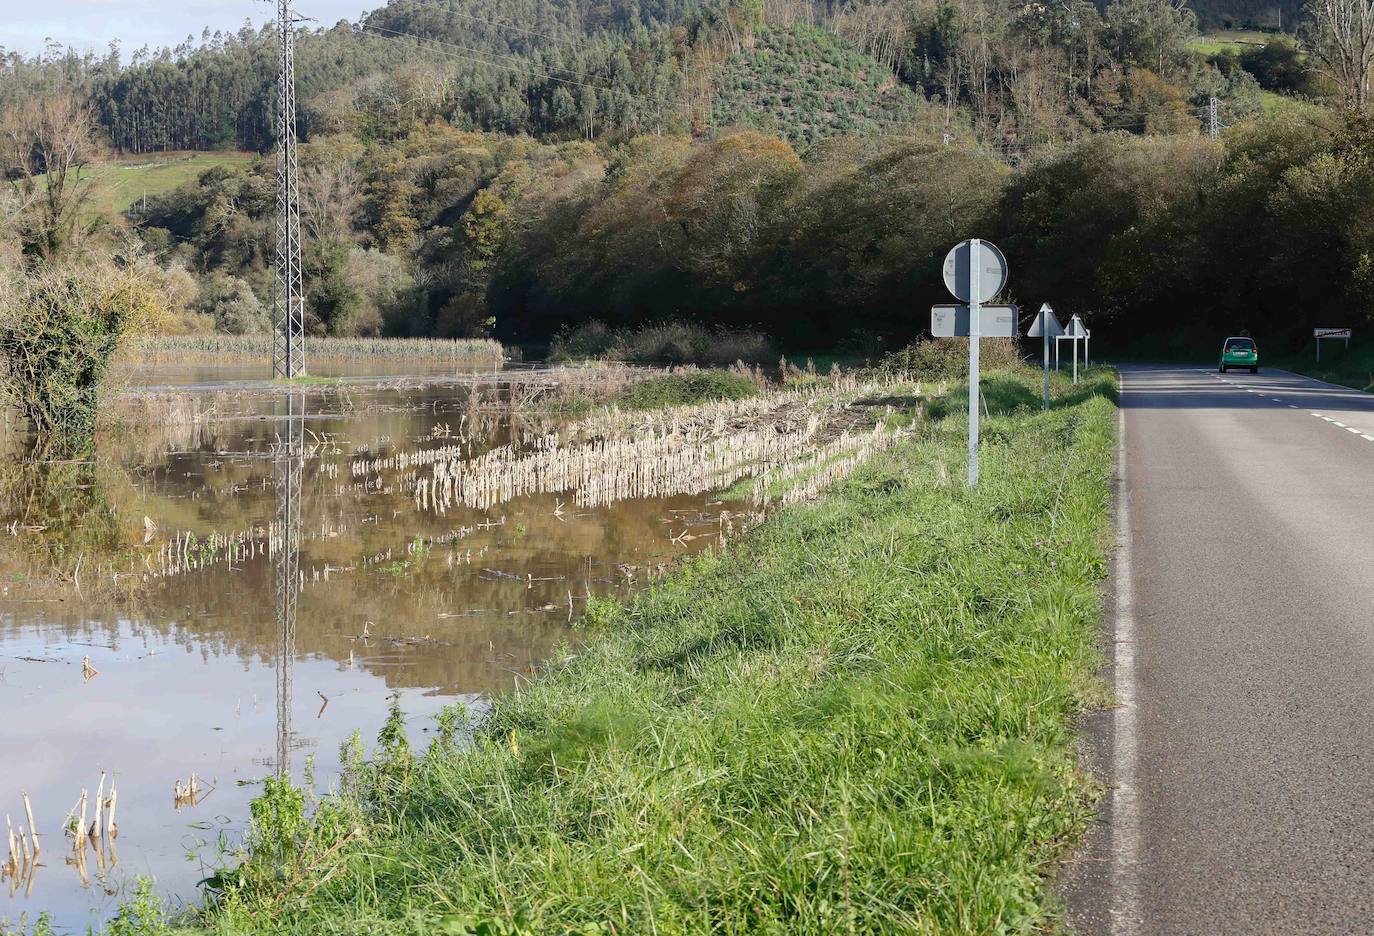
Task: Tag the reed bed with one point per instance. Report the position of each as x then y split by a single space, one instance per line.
181 347
683 450
806 478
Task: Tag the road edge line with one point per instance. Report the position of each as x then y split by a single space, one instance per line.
1123 909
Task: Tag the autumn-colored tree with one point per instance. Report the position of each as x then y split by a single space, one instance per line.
47 141
1341 41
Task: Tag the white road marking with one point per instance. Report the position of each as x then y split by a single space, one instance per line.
1335 423
1352 429
1125 825
1367 438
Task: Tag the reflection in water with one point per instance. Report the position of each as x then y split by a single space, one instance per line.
207 570
287 467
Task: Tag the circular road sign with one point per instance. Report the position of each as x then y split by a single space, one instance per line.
991 267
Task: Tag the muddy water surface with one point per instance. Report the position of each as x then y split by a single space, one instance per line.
239 597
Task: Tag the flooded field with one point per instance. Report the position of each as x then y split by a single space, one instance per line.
210 601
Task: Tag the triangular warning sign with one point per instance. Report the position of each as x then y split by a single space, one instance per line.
1052 324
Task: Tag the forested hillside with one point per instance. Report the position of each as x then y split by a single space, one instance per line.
1007 73
794 167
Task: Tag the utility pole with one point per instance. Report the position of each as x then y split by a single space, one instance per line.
1213 123
288 347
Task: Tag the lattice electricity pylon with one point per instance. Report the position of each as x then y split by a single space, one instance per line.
288 463
288 349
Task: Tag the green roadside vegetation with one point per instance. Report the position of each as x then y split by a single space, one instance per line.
1353 368
855 719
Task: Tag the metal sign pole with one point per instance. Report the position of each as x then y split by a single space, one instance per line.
1075 361
975 314
1045 343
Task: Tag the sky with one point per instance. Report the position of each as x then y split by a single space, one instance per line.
91 24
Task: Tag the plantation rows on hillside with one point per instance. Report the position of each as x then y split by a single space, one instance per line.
806 84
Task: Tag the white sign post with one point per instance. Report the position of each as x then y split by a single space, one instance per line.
975 271
1047 326
1321 333
1076 332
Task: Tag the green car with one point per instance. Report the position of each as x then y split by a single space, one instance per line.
1240 352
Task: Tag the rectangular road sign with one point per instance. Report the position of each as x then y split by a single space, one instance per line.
952 321
1331 333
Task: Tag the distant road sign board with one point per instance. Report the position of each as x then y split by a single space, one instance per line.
952 321
992 276
1053 328
1331 333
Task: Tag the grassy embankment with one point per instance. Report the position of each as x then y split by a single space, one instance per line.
855 720
1353 368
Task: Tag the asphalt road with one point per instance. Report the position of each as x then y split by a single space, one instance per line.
1244 648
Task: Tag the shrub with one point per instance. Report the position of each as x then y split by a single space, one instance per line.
671 343
233 305
464 316
59 328
584 342
947 358
684 343
687 388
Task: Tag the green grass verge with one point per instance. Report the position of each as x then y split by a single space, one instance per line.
1353 368
857 719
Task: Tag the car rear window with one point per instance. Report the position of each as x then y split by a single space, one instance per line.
1239 344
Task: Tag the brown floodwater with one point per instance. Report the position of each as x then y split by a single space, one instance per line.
237 597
